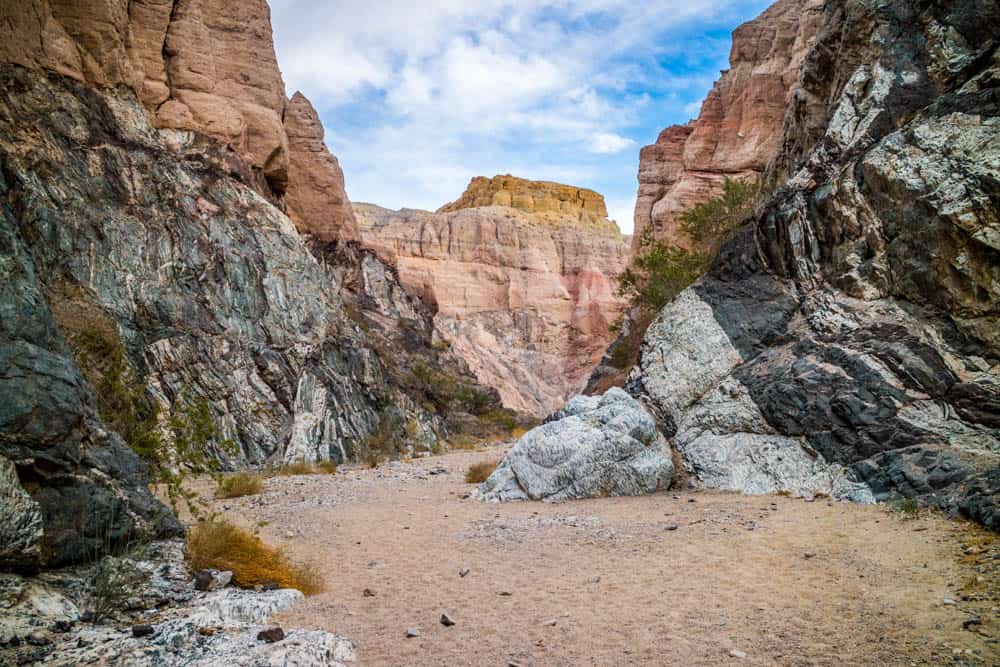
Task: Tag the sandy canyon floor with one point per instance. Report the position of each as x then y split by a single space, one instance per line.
689 578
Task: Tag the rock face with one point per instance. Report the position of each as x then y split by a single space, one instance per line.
853 324
595 446
198 66
737 132
316 200
526 298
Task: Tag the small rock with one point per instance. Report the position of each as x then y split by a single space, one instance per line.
271 635
505 594
551 622
212 580
206 631
970 623
463 572
733 653
692 500
948 602
809 554
672 526
368 593
269 586
446 620
412 632
142 630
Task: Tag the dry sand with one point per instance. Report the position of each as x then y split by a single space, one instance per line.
609 582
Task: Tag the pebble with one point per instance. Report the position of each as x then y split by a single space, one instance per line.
446 620
809 554
142 630
412 632
368 593
733 653
463 572
948 602
551 622
672 526
505 594
271 635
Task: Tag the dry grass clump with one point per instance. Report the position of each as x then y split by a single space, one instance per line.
303 468
238 484
223 546
479 472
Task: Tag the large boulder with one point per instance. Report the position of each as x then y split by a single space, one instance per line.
598 446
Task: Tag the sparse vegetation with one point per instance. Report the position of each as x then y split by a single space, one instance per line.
908 507
480 472
238 484
303 468
384 442
223 546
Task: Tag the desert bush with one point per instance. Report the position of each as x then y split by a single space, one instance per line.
480 472
384 442
223 546
238 484
908 507
712 223
303 468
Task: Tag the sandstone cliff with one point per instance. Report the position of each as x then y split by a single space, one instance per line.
737 132
522 276
848 334
198 66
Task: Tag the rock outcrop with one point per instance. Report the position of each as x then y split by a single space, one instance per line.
595 446
205 67
738 130
526 298
854 321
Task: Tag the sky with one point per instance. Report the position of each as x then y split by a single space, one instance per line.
419 97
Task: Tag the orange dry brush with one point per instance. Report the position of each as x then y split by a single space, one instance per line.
223 546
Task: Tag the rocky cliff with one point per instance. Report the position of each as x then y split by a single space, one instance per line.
146 262
738 129
201 68
848 334
522 277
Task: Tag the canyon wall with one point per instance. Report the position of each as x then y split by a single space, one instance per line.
738 130
147 269
204 68
846 340
522 277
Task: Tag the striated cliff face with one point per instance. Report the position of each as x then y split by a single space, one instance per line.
524 291
199 67
737 132
126 233
848 334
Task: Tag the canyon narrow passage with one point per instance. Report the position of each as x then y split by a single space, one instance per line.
684 579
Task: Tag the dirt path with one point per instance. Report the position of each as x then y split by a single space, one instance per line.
612 582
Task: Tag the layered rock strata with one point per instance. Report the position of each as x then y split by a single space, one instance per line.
849 332
523 292
738 129
198 66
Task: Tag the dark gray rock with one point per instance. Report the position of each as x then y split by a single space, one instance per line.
271 635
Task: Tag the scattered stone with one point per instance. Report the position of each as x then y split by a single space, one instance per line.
948 602
271 635
970 623
505 594
412 632
733 653
142 630
672 526
269 586
368 593
446 620
692 500
550 623
212 580
463 572
809 554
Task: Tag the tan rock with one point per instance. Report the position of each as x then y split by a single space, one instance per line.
315 199
561 201
527 299
204 66
738 130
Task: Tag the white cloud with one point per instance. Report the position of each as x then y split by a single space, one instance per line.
609 142
418 97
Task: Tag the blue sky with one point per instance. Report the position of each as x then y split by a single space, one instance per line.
419 97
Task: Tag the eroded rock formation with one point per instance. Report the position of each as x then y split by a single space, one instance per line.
853 324
524 289
206 67
737 132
